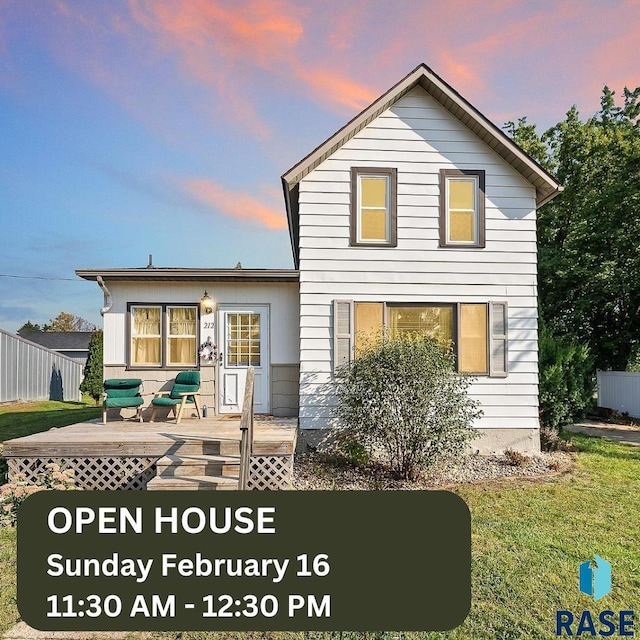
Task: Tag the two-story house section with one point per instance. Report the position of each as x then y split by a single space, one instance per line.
420 215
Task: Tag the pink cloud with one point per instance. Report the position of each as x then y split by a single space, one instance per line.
219 44
241 206
222 45
262 31
335 89
613 65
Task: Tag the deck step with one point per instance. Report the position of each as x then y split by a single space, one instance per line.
205 446
198 465
193 483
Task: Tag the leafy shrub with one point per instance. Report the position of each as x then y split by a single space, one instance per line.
14 493
567 382
351 450
402 398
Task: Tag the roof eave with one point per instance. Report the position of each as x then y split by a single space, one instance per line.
548 197
191 275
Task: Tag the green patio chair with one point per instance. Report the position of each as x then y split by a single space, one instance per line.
121 393
185 391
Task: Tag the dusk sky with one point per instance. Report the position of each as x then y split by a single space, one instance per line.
130 127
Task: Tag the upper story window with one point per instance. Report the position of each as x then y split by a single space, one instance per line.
373 206
462 208
163 336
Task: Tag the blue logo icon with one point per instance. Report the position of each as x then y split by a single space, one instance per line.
595 577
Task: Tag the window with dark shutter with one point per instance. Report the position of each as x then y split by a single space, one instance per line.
342 332
498 340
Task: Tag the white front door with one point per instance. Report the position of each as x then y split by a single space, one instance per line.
244 341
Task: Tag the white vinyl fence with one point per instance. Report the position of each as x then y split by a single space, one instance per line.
28 371
620 391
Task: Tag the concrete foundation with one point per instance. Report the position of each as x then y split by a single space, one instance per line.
489 441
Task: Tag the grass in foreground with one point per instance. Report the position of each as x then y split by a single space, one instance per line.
17 420
528 539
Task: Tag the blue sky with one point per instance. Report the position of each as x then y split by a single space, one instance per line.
132 127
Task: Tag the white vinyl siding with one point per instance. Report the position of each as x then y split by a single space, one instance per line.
282 299
418 137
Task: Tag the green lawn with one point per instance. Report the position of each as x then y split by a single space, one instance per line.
528 539
18 420
23 419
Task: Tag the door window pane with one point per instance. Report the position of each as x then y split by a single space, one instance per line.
243 339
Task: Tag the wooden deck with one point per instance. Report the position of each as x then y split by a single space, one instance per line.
127 454
275 436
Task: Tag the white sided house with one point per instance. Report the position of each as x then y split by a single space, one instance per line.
418 215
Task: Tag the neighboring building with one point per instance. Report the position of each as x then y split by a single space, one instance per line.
30 372
418 215
73 344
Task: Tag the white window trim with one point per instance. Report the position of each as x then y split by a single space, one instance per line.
386 209
164 335
449 210
391 176
446 177
174 336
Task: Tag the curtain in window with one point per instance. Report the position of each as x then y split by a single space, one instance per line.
434 321
182 336
145 336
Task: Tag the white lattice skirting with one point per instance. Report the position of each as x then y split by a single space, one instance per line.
265 472
270 472
91 473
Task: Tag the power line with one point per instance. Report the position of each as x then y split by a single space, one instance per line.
9 275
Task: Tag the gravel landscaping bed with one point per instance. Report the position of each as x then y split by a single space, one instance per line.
321 472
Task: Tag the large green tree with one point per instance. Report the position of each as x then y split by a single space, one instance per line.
92 382
589 236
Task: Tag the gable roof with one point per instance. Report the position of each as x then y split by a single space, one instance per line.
60 340
547 187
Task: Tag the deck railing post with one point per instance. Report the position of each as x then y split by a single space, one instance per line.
246 428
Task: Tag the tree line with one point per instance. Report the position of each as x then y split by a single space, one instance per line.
62 322
588 249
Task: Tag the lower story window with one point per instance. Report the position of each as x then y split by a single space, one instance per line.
163 336
181 338
477 331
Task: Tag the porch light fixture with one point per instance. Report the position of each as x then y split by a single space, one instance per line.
206 302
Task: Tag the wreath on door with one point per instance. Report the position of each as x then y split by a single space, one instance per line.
208 351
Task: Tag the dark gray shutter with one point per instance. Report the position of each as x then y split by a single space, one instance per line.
498 339
342 332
